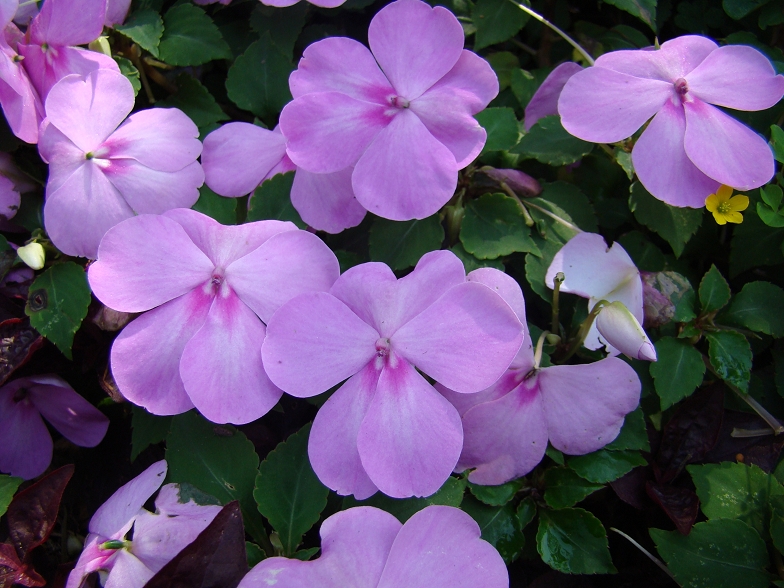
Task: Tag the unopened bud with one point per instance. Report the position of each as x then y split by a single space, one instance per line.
101 45
33 255
520 183
622 330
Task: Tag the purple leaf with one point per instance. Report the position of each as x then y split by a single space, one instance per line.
18 342
680 504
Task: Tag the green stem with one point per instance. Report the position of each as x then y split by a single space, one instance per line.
577 342
651 557
559 279
554 216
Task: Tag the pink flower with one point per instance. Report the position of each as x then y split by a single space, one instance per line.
438 547
102 172
209 290
690 147
621 329
401 115
320 3
386 428
157 537
544 102
25 442
577 408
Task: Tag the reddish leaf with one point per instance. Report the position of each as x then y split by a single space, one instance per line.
762 452
13 571
216 559
18 342
33 512
680 504
631 487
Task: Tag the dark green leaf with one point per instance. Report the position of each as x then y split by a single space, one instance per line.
494 226
605 466
305 554
222 209
555 455
777 142
573 541
272 201
772 195
678 370
645 10
633 434
129 70
754 244
145 28
548 142
148 429
496 495
645 255
500 527
500 124
526 511
471 263
714 290
503 64
564 488
737 9
675 225
525 83
58 302
283 24
770 217
253 553
496 21
401 244
190 37
777 523
195 101
730 355
569 198
8 486
758 307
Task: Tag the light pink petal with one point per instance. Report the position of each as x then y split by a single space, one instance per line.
471 327
410 439
146 355
91 559
405 173
472 80
724 149
444 116
149 191
662 165
18 98
238 156
221 365
326 202
315 342
25 442
603 106
8 9
415 45
276 3
116 11
329 131
463 402
340 64
76 419
544 102
63 157
68 22
332 446
125 503
284 266
737 76
441 546
146 261
585 404
168 503
9 198
128 571
502 284
675 59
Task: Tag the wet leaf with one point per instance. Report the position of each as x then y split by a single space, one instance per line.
500 527
573 541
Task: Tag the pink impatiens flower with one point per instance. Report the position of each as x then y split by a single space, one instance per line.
365 547
209 290
386 428
101 171
401 115
690 148
25 442
157 537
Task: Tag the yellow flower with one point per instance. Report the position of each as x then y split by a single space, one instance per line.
725 209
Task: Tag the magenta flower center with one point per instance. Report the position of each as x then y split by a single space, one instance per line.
382 347
681 87
399 102
217 284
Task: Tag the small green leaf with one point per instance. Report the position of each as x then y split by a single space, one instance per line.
758 307
8 487
526 511
730 355
128 69
678 371
605 466
145 28
254 553
633 435
222 209
494 226
496 21
401 244
770 217
645 10
753 244
272 201
190 37
500 527
195 101
471 263
570 199
503 64
57 303
772 195
737 9
450 494
148 429
283 24
777 142
288 492
573 541
714 291
675 225
496 495
536 265
550 143
501 126
564 488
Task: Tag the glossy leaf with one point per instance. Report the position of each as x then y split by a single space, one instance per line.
8 486
605 466
573 541
494 226
496 21
758 307
496 495
190 37
500 527
564 488
674 225
145 28
634 434
678 371
714 291
401 244
645 10
548 142
730 355
500 123
148 429
195 101
272 200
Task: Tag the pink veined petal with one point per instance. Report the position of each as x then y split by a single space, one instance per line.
585 404
470 328
149 191
146 261
315 342
90 560
332 446
662 165
405 173
441 546
544 102
329 131
25 442
125 503
68 22
87 110
128 571
737 76
725 149
326 202
505 438
411 437
284 266
415 45
472 80
238 156
502 284
116 11
76 419
63 157
675 59
9 198
340 64
82 209
18 98
146 355
221 364
604 106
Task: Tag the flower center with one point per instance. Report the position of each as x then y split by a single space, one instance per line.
681 87
382 347
399 102
724 208
217 283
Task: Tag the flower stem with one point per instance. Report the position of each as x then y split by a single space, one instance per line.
651 557
583 332
554 216
559 279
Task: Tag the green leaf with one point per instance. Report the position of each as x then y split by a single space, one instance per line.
536 266
471 263
730 490
772 195
564 488
222 209
128 69
401 244
722 553
526 511
496 21
258 80
190 37
148 429
730 355
218 460
678 371
754 244
283 24
496 495
645 10
272 201
254 553
633 435
287 491
503 64
494 226
57 303
605 466
573 541
195 101
145 28
758 307
770 217
645 255
777 142
675 225
450 494
569 198
525 83
550 143
8 487
714 291
737 9
777 522
500 527
500 124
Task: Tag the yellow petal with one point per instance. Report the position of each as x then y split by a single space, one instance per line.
724 193
738 203
712 203
734 217
719 218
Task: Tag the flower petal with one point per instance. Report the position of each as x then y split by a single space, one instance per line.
25 443
63 157
326 202
128 571
18 98
68 22
149 191
675 59
544 102
502 284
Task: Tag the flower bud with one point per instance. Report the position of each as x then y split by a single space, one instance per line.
620 328
33 255
661 292
520 183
